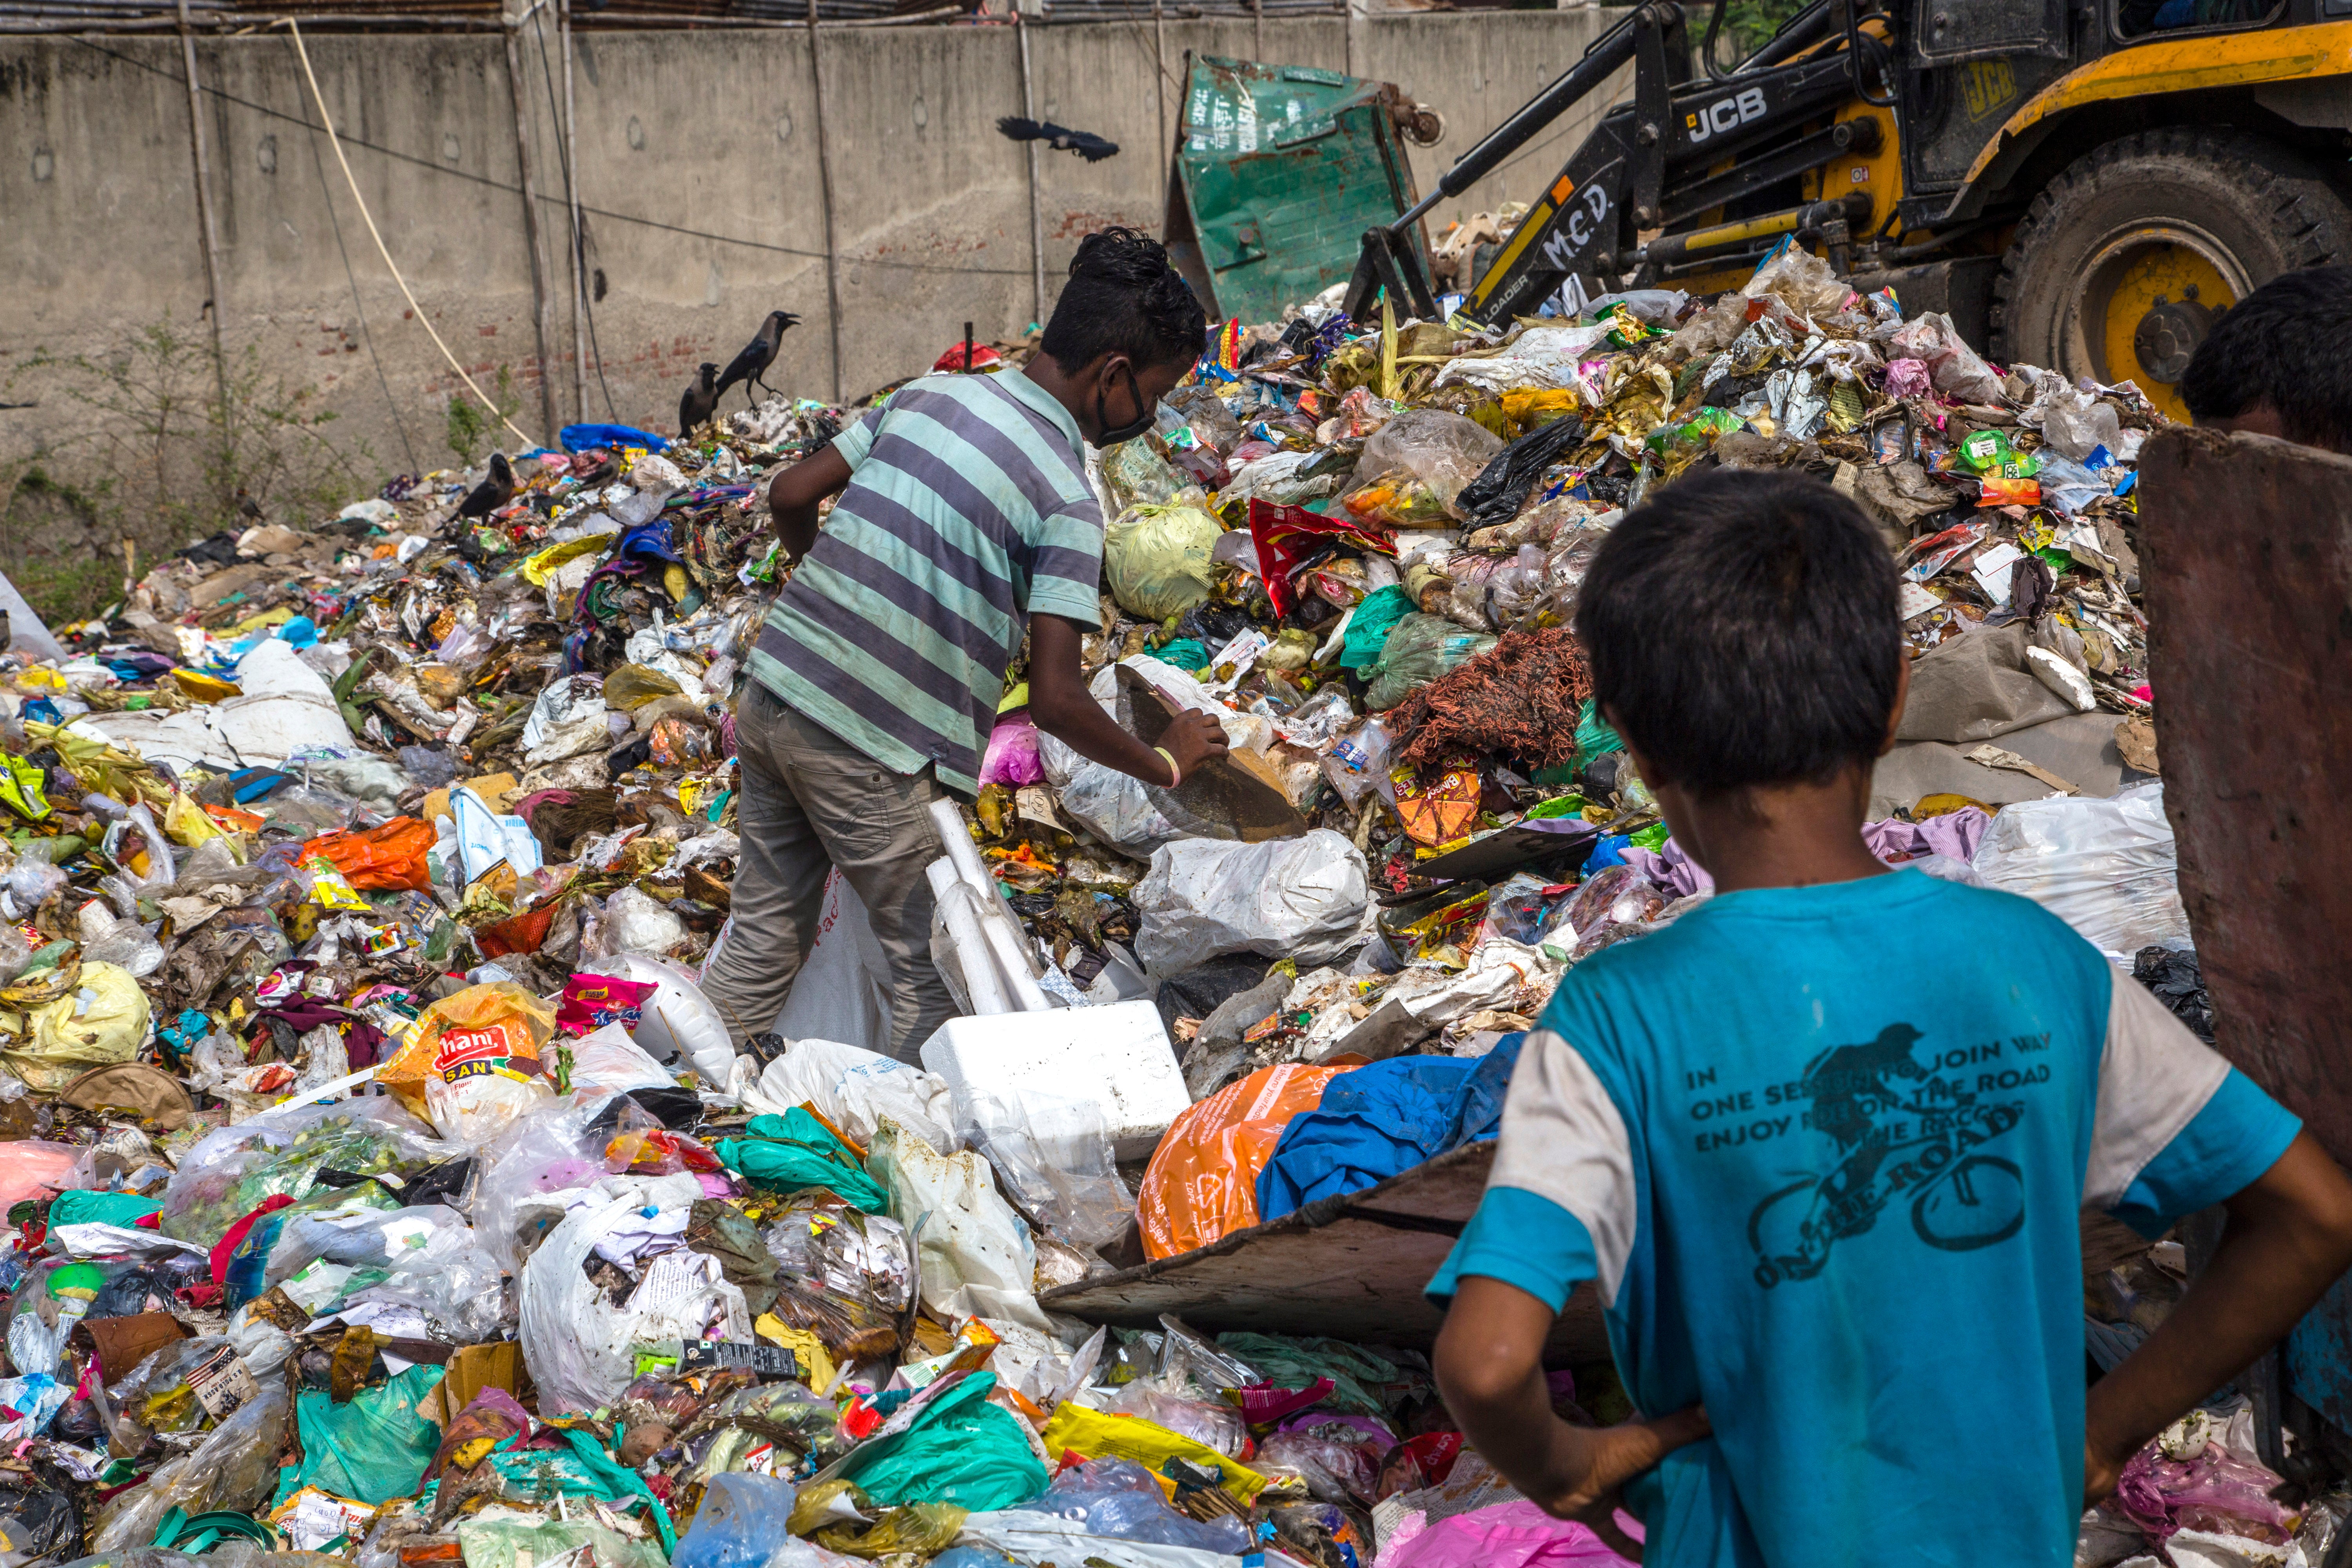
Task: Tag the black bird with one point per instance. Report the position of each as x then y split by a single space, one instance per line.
702 397
248 506
491 493
757 354
1085 144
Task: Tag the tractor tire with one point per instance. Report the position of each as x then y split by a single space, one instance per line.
2123 261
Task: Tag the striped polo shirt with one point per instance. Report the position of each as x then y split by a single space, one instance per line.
967 510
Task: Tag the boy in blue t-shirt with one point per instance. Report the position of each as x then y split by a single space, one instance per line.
1821 1144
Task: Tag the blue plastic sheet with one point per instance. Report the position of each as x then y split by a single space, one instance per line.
1381 1121
581 437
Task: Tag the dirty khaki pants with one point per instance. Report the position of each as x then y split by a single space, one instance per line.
811 802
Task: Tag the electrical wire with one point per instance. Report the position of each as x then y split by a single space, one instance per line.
326 193
444 170
382 249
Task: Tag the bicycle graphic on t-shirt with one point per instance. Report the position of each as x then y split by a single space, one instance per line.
1900 1130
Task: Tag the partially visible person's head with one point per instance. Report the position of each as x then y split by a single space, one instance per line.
2279 362
1125 331
1741 629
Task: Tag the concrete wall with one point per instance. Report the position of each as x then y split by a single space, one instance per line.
698 164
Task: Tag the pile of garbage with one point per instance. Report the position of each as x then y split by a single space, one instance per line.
381 1186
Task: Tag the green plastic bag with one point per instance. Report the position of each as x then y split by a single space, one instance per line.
795 1150
1368 627
501 1544
961 1449
1156 559
373 1449
1594 737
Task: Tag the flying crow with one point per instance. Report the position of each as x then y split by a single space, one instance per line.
702 397
491 493
757 354
1085 144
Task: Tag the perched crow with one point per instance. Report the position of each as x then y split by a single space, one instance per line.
248 506
757 354
1085 144
702 397
491 493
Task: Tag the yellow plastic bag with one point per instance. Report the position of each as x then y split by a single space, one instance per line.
98 1023
1156 560
186 824
473 1064
1093 1434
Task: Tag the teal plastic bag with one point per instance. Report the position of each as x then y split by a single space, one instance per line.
1594 737
1368 627
961 1449
76 1207
795 1150
1184 653
373 1449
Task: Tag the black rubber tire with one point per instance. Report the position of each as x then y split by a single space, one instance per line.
2271 209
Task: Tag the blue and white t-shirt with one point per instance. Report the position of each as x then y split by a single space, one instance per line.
1822 1151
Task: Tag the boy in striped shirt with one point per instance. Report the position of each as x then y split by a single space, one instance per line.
964 520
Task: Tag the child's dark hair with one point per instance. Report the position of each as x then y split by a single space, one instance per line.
1124 297
2282 345
1741 629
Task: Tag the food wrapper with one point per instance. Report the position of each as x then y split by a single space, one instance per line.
474 1062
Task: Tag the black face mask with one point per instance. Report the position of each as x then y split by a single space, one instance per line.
1130 431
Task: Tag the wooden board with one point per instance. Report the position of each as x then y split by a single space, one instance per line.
1351 1267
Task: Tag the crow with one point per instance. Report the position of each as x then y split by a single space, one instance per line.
491 493
248 506
702 397
1085 144
757 354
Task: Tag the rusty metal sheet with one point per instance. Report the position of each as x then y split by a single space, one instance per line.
1351 1267
2246 551
2246 548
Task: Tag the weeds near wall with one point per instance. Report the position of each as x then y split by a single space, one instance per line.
468 428
164 458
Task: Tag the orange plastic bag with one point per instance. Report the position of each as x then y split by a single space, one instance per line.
473 1064
392 855
1202 1183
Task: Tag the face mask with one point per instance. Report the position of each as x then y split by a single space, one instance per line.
1130 431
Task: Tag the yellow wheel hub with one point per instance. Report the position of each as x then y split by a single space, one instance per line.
2147 298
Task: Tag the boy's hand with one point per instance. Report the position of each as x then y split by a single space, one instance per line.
1612 1456
1192 737
2100 1473
1489 1366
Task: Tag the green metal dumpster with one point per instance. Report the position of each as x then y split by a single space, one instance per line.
1279 171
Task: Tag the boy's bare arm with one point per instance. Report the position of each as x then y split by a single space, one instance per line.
2289 1236
1489 1367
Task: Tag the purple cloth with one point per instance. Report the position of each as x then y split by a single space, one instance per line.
1955 833
1673 871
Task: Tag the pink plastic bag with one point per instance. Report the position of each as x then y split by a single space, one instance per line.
1011 758
2219 1491
33 1170
1506 1535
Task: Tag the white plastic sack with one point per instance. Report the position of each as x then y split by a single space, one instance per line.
854 1090
677 1020
2107 867
843 991
1117 808
284 708
1027 1535
976 1257
577 1347
1297 897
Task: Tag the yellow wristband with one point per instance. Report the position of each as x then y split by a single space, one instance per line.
1175 774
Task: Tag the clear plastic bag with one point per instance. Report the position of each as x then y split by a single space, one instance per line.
225 1177
1218 1426
1420 649
1071 1184
552 1149
1121 1499
1441 450
235 1468
2107 867
740 1518
1953 367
